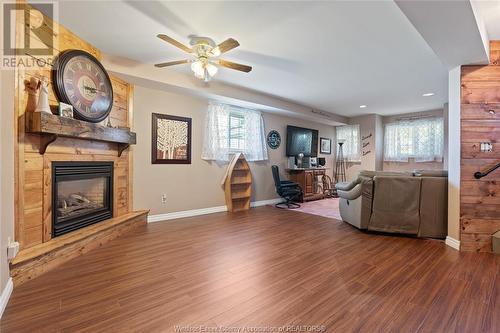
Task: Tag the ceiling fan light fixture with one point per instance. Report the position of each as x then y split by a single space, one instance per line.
200 75
211 69
197 66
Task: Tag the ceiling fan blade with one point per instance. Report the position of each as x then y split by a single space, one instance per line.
227 45
234 65
174 43
172 63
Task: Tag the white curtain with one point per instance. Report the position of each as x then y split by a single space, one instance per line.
255 136
421 139
349 134
216 135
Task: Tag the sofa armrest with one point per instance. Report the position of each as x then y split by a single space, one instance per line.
346 186
354 193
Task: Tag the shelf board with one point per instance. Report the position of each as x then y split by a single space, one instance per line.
246 182
51 127
240 196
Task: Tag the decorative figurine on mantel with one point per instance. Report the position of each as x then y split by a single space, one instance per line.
43 98
108 122
31 87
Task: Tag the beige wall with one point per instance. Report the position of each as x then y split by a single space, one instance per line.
368 124
3 265
197 185
7 170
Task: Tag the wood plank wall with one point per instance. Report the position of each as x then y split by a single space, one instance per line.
480 122
33 171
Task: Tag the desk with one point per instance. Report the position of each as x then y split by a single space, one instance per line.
307 178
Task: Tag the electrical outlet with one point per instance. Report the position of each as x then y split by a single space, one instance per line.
486 147
163 198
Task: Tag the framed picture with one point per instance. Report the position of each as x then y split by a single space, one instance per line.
325 146
65 110
171 139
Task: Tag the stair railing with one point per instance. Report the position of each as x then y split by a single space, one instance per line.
479 174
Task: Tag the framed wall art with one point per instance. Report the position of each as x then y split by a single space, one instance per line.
273 139
171 139
325 146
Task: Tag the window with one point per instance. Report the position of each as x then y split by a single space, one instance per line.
230 129
236 132
421 139
350 137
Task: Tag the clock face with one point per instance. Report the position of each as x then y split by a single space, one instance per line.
82 82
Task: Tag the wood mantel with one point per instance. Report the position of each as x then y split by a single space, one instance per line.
51 127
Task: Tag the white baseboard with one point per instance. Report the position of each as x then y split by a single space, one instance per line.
4 298
265 202
204 211
186 213
452 242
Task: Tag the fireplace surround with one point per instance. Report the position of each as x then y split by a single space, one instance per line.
82 194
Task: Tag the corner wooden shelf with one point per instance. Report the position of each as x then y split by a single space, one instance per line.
50 127
238 184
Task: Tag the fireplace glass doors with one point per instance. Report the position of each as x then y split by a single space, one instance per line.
82 194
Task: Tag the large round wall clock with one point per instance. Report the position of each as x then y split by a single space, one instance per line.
80 80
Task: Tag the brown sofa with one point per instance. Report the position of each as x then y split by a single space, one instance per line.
413 203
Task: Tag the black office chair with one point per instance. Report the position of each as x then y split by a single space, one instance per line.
288 190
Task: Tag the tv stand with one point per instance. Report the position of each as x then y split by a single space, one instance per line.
307 178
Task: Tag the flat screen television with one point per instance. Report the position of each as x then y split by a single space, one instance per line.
301 140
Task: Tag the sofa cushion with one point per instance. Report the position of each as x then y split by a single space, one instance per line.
434 207
396 205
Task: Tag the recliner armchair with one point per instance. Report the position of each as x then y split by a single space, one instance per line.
355 200
288 190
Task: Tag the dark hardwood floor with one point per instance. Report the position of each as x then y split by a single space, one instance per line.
266 267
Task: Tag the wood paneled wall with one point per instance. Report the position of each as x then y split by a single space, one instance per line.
480 122
33 171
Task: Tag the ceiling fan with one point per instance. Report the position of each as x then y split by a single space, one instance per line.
205 53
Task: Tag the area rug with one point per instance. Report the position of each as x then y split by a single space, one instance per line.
326 208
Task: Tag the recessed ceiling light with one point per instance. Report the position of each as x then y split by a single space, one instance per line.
363 106
428 94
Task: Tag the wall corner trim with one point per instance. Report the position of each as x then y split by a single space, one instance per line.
4 298
452 242
204 211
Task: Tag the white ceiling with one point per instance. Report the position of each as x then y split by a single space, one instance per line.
489 12
332 56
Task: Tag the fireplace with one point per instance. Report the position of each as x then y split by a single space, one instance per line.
82 194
